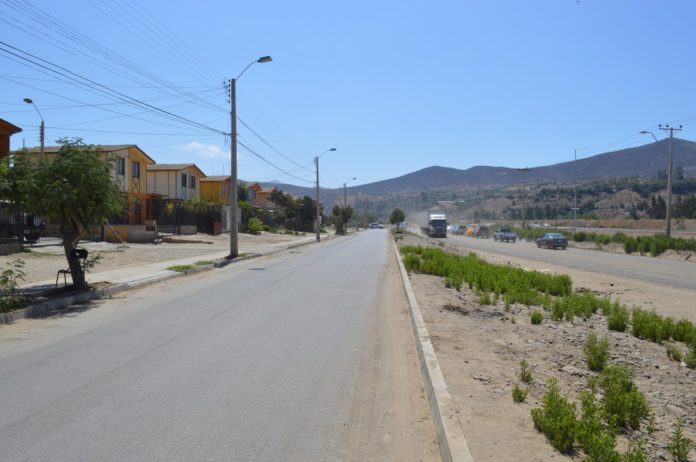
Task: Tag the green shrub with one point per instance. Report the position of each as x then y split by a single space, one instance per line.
630 245
580 236
674 353
525 374
10 297
556 418
592 432
180 268
254 225
624 404
537 317
485 299
680 445
596 352
617 317
684 331
649 325
690 358
519 394
636 452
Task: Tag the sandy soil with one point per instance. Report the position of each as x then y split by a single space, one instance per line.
480 347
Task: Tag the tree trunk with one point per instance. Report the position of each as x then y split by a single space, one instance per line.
76 271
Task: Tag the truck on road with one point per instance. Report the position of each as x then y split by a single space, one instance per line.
436 226
505 234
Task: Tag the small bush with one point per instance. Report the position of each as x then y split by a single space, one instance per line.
649 325
556 418
617 317
485 299
596 352
254 225
10 297
519 394
624 404
636 452
592 432
680 445
674 353
525 374
690 358
537 317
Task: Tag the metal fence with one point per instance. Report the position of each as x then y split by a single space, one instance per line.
172 215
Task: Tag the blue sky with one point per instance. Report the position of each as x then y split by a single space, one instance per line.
394 86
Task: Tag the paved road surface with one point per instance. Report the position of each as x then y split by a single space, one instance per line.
278 358
672 273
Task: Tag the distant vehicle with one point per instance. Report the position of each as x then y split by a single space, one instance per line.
436 225
376 226
552 241
482 231
505 235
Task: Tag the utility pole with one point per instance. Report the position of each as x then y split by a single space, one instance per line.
668 217
524 193
317 219
345 195
575 187
42 127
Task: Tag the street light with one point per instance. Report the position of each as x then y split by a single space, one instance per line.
317 218
234 238
668 214
575 187
345 196
42 128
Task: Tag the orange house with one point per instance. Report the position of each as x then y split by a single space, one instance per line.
6 131
129 171
261 197
216 189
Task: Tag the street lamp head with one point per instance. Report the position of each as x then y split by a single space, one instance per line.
332 149
264 59
28 101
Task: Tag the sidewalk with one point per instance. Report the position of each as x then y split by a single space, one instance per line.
122 267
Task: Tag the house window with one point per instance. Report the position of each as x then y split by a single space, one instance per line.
120 166
183 180
135 167
192 182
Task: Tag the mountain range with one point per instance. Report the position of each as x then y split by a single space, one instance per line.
639 162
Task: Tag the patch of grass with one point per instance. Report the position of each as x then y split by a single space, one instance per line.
674 352
556 419
204 262
649 325
635 452
690 358
596 352
537 317
593 433
10 297
180 268
617 317
519 394
525 374
680 445
35 253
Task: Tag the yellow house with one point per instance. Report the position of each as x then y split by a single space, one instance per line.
216 189
129 170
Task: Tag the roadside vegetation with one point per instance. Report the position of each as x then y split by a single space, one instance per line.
610 405
179 268
10 296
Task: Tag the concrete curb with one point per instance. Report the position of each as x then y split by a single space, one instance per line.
43 308
450 435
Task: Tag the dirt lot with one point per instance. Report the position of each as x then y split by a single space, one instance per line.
480 348
42 262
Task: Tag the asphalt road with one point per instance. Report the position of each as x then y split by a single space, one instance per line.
257 361
671 273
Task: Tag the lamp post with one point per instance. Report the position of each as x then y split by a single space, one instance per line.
42 127
668 214
345 195
575 187
234 238
317 218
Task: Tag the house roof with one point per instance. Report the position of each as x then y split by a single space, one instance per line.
216 178
97 147
174 167
7 127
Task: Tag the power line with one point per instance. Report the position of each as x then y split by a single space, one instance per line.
271 163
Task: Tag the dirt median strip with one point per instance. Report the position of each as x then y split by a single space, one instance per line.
450 435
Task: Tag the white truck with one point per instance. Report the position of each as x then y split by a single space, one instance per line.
436 226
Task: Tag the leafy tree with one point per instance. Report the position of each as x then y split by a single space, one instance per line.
397 216
340 216
75 189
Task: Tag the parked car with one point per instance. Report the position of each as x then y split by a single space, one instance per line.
552 241
505 234
376 226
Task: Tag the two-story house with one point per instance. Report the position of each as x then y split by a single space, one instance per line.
6 131
174 181
261 197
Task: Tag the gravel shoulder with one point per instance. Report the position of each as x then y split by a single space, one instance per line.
480 348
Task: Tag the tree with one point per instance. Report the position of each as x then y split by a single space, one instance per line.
340 216
76 189
397 216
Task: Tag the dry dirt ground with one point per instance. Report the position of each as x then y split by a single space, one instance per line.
42 263
480 348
